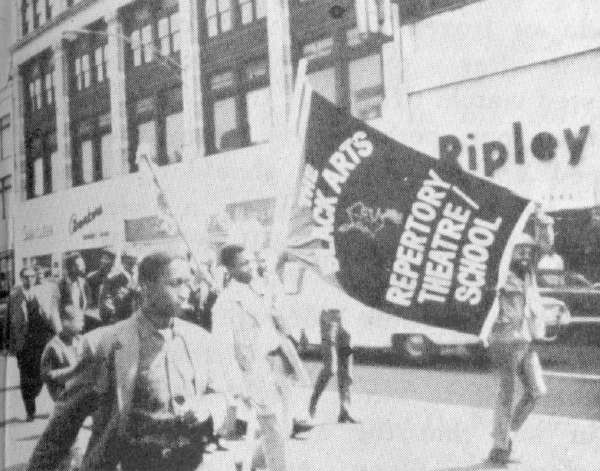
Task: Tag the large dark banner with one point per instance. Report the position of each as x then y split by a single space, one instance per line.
397 229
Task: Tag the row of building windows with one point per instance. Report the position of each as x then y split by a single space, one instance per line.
225 15
161 36
237 96
41 90
91 68
35 13
221 15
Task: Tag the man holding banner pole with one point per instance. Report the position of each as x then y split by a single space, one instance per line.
511 345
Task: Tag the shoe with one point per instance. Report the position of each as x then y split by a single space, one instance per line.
301 426
501 455
312 409
346 418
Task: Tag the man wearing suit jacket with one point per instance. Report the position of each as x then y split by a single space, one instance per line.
145 381
31 327
254 360
74 288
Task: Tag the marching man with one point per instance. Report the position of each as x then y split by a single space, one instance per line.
512 348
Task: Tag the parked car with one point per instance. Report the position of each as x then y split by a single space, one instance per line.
374 330
581 296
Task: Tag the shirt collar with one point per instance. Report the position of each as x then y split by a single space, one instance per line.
147 328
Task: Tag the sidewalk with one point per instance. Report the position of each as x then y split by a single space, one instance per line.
395 435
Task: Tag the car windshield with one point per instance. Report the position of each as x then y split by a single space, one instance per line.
562 279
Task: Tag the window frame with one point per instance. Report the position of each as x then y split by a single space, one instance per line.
239 88
236 16
163 103
339 58
47 145
151 16
5 127
82 61
96 130
5 187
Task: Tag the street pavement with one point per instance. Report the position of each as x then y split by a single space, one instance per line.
396 432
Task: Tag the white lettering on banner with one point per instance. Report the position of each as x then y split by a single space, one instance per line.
433 253
409 256
343 161
346 158
475 254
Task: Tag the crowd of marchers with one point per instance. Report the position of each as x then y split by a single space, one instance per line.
175 362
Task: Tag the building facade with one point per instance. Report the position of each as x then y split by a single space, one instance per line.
504 87
6 193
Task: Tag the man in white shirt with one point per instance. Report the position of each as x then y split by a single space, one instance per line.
254 361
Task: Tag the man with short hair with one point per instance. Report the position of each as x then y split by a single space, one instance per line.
145 380
253 357
31 327
512 349
119 294
96 279
74 288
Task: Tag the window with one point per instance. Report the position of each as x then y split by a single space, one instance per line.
168 34
218 16
260 123
35 93
146 136
318 48
100 66
159 126
366 87
174 132
49 79
7 268
57 168
92 145
241 106
136 48
323 82
38 19
38 176
155 30
83 74
224 15
251 10
225 122
87 161
51 8
352 78
26 20
5 188
5 138
147 44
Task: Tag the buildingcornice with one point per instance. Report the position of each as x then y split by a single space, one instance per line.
62 16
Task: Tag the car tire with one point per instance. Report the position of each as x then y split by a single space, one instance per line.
415 348
479 357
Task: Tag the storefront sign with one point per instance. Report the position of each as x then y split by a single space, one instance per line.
37 232
543 147
76 223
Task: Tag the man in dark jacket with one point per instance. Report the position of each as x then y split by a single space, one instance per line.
31 328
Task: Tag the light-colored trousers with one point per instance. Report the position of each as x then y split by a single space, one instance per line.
515 360
272 424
